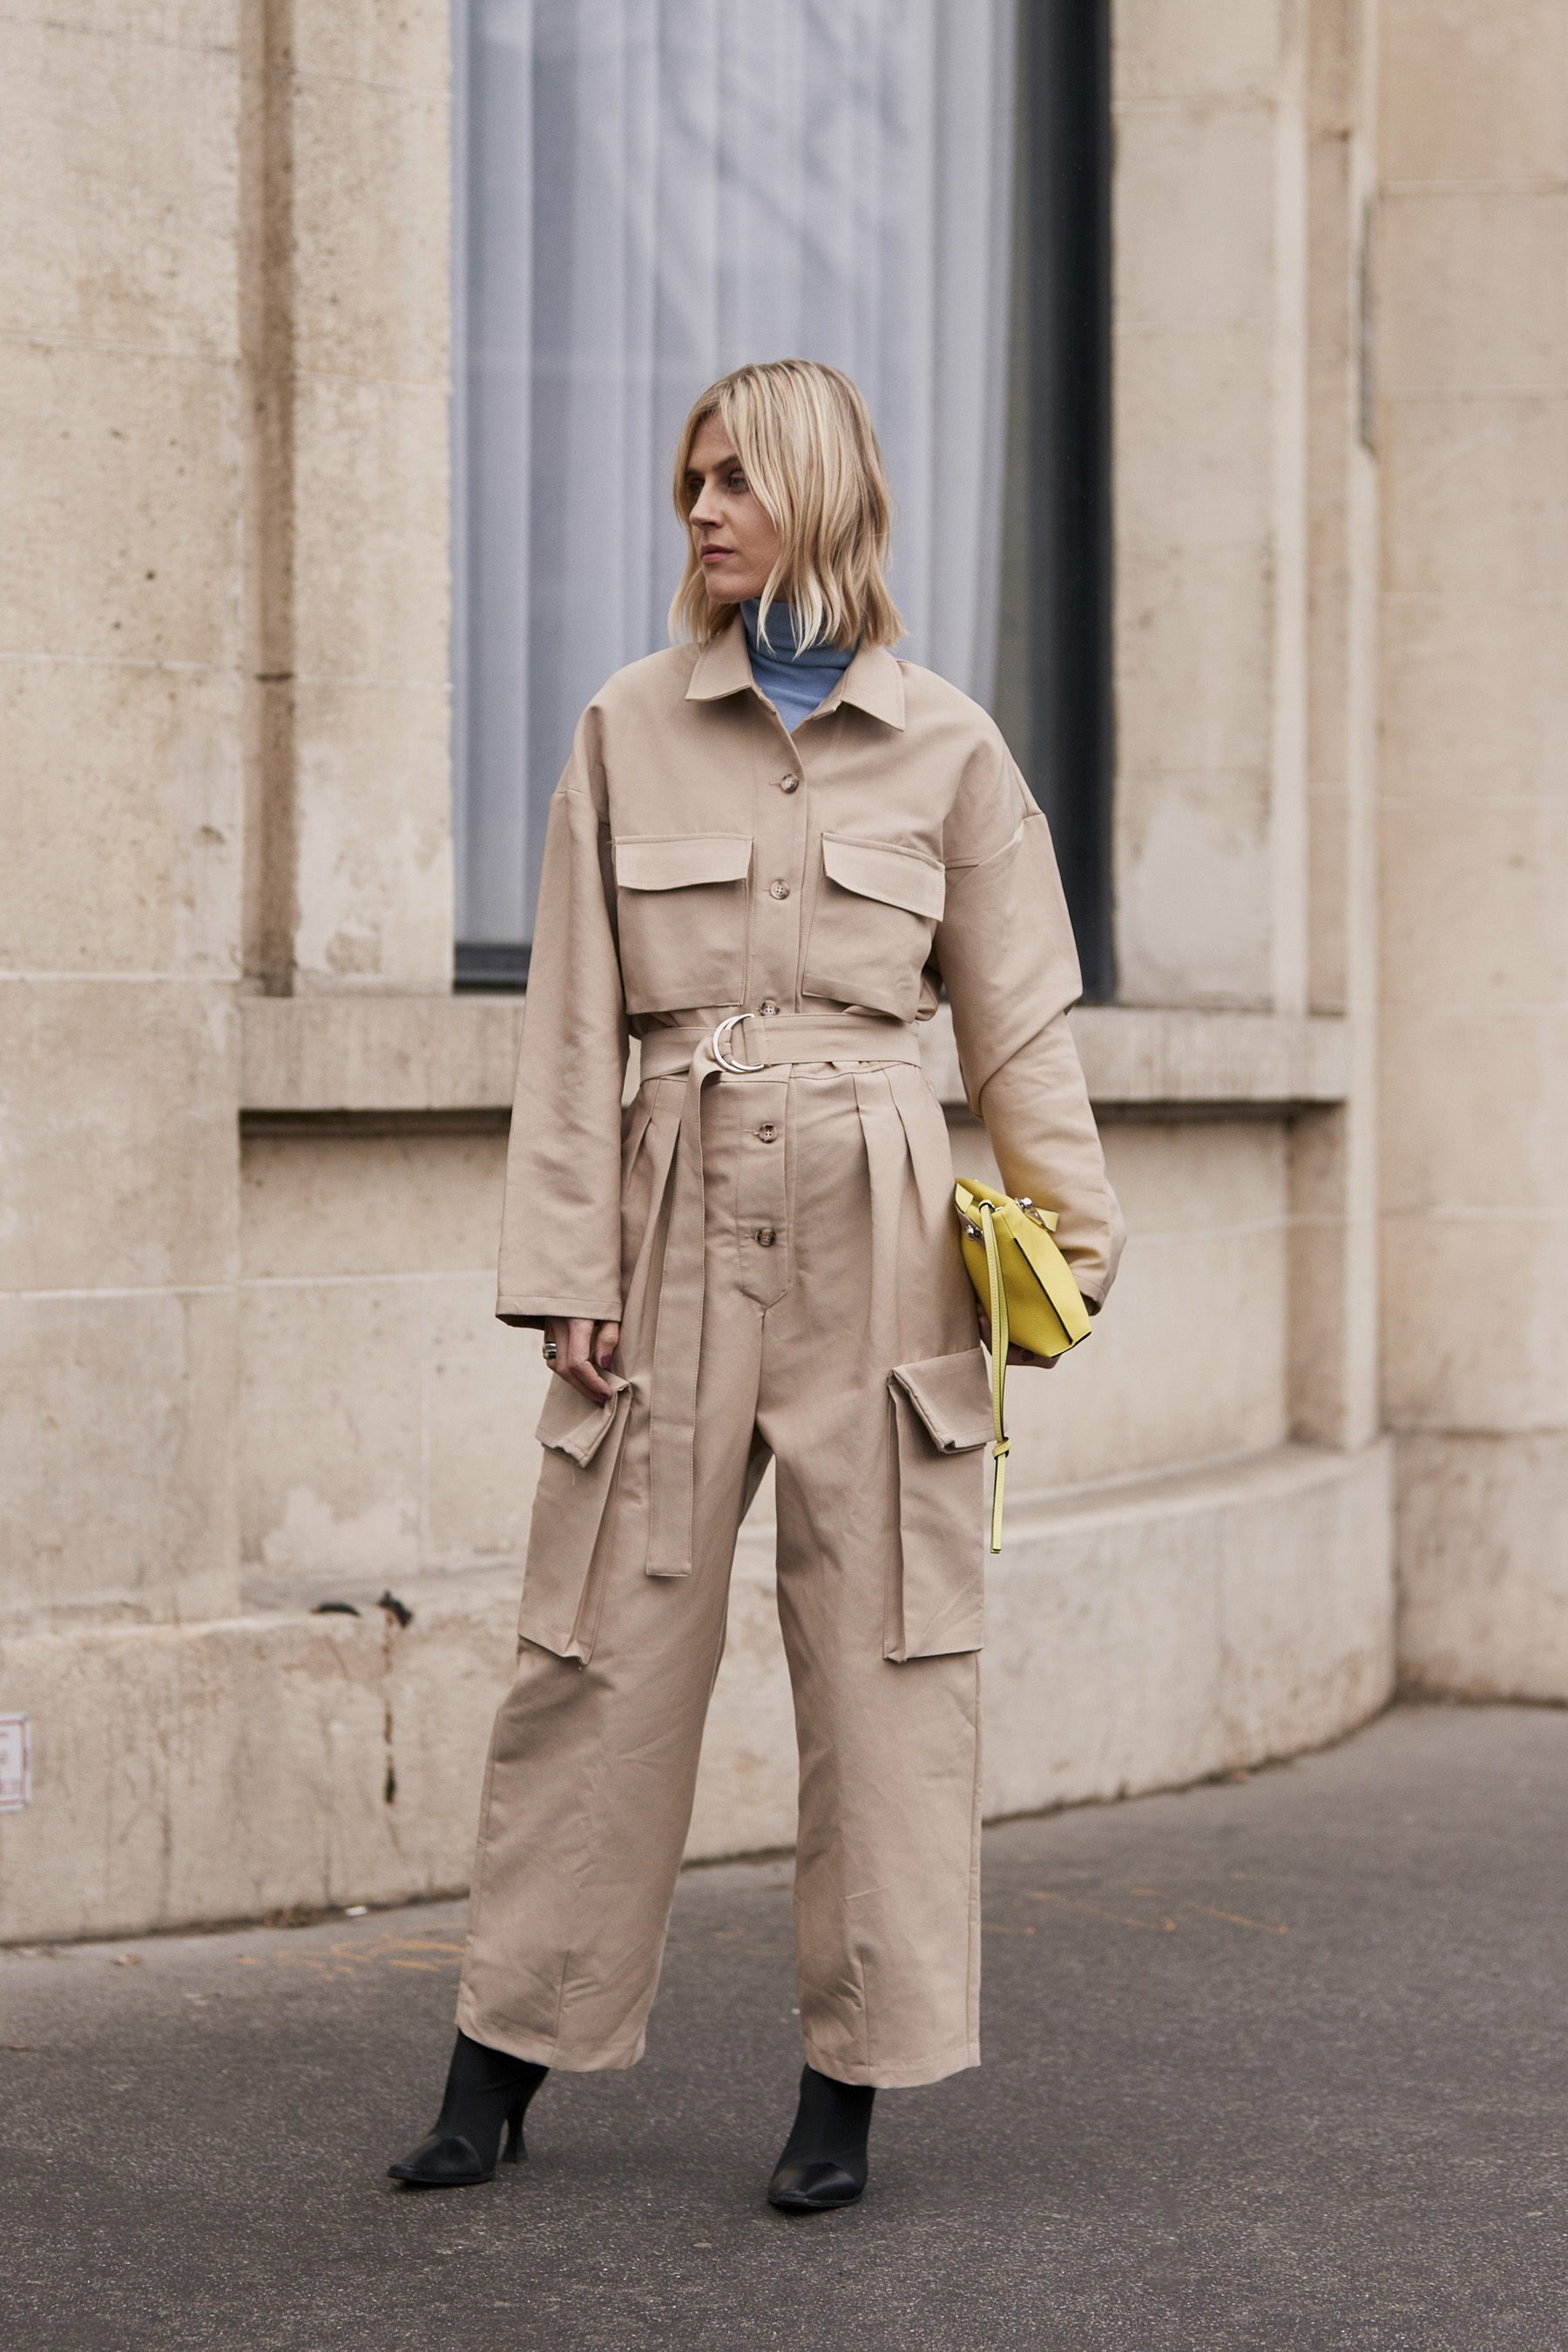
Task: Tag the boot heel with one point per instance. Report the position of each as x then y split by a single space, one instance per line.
488 2092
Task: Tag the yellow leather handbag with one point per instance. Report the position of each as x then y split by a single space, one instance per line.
1026 1286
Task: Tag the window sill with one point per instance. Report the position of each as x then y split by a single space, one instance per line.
314 1056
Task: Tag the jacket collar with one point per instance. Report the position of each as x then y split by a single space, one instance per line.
873 682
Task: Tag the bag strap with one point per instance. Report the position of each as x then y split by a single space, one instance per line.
1002 1443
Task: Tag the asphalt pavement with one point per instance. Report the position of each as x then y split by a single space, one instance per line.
1275 2062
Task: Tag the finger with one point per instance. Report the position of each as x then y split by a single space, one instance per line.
606 1339
555 1336
580 1368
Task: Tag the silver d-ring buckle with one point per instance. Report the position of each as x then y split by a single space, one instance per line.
726 1061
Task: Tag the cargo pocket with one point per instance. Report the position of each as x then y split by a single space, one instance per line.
941 1424
582 1446
682 907
877 909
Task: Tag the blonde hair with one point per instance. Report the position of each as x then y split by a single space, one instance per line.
804 438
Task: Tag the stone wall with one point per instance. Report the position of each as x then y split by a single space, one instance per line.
253 1143
1472 341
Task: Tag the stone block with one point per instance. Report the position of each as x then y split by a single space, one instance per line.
373 838
1483 1564
1470 93
382 1053
1475 1109
407 47
484 1387
321 1761
116 1101
330 1202
122 155
1181 1626
121 494
116 1459
1475 1321
371 531
1475 695
1196 457
1195 205
331 1427
1475 495
1194 888
1473 902
1177 708
1196 49
147 763
372 207
1477 296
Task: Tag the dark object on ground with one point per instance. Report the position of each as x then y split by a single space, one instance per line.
488 2092
824 2160
396 1608
334 1609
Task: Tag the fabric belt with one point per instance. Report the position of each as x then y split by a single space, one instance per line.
751 1040
763 1040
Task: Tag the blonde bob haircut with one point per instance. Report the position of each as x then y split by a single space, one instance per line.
805 443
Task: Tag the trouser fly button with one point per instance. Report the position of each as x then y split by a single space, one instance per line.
767 1236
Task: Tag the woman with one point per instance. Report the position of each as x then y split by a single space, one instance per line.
771 846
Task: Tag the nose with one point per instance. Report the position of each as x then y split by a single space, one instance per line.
704 507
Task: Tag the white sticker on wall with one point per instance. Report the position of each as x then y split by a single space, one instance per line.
15 1764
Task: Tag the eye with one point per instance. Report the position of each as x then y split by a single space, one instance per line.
738 482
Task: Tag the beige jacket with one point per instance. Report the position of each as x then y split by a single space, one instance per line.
700 861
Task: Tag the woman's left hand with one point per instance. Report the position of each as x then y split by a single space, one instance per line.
1019 1355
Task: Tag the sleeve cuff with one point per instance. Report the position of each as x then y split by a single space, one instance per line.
532 1314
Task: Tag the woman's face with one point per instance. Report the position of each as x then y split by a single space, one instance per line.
736 542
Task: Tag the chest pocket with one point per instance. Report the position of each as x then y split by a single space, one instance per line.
681 903
877 907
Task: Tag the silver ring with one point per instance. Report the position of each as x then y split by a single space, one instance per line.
550 1351
726 1061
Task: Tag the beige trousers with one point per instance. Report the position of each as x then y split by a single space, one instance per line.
838 1335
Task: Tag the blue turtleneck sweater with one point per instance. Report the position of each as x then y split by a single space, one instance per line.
794 679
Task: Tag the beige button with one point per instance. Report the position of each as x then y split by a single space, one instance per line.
778 889
767 1132
789 783
767 1236
769 1006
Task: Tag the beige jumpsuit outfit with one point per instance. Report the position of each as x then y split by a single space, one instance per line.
780 1248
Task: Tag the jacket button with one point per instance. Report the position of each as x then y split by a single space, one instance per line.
789 783
768 1005
778 889
767 1236
767 1130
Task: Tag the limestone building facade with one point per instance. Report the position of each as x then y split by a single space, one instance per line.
252 1138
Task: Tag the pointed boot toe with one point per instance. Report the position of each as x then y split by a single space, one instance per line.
816 2188
444 2160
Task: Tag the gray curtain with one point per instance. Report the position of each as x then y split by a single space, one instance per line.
650 191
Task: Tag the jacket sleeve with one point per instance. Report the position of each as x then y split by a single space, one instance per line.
561 1222
1006 949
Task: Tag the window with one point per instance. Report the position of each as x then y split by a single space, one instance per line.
648 192
1054 688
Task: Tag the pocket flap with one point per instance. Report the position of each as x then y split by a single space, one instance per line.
678 862
569 1424
899 878
951 1395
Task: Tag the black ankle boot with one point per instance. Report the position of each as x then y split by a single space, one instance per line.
824 2160
487 2091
